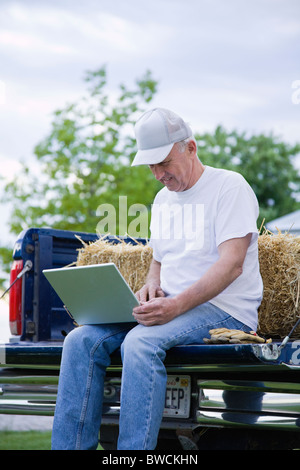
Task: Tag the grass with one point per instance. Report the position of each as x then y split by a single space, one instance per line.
25 440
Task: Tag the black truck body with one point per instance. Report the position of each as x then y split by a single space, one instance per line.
219 396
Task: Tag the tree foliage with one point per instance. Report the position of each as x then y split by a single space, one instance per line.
266 162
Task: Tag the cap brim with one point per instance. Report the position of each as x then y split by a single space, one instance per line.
152 156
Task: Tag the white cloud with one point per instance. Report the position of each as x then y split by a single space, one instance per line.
9 167
56 30
288 27
31 43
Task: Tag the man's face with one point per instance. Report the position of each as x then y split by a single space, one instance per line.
175 171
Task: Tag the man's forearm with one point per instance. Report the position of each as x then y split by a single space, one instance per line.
153 275
228 268
217 278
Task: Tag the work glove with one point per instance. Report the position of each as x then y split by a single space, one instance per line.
224 335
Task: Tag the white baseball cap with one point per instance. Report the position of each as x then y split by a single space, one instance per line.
156 132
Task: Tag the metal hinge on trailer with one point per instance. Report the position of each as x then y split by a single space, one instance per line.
27 267
270 351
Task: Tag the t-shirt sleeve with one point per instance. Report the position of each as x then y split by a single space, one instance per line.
237 211
154 247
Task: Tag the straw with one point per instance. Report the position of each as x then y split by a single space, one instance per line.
279 257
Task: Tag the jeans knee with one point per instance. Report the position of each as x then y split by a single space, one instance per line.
132 344
71 340
139 345
77 338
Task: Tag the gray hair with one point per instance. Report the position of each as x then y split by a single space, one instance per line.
181 146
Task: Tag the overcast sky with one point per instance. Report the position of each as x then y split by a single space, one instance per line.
230 62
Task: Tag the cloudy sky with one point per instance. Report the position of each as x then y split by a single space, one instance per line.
231 62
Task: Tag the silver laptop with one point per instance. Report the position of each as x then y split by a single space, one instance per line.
93 294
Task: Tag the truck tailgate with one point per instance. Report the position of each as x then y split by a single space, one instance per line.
49 354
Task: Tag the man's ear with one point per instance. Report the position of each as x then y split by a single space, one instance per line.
192 147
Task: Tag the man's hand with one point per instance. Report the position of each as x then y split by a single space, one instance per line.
149 291
157 311
154 308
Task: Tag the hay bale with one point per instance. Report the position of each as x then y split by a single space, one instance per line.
132 260
279 257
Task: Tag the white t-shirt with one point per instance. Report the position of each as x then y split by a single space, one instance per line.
187 227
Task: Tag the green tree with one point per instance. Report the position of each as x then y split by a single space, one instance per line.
266 162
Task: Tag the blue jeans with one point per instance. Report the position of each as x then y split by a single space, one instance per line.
86 355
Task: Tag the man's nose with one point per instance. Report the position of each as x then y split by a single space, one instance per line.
158 171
